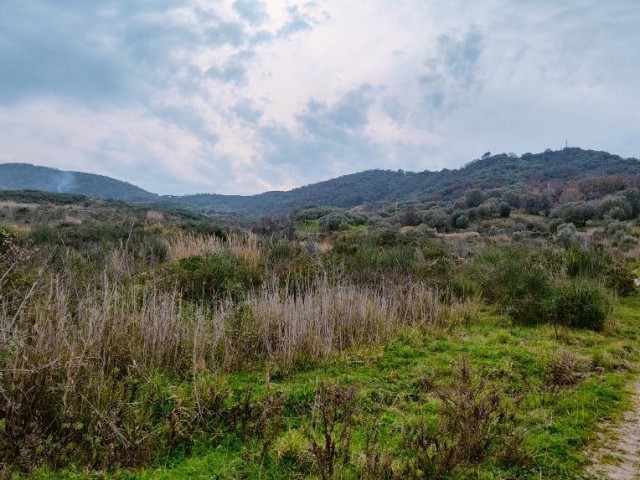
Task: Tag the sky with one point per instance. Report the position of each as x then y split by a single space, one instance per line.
245 96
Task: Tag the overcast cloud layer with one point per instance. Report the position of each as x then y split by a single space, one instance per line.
246 96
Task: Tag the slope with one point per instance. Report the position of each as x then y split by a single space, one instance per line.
380 186
22 176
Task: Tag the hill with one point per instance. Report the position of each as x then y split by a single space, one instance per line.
375 187
22 176
372 188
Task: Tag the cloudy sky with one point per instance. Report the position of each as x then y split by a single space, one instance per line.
245 96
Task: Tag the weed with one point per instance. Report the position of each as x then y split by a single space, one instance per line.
293 447
562 371
377 463
258 418
332 423
474 420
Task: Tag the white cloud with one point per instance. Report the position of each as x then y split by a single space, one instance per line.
244 96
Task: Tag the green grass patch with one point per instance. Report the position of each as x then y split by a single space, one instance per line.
308 226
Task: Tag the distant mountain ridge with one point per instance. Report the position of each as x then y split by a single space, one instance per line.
24 176
383 186
371 187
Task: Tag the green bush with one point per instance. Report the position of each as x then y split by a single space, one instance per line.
7 239
585 263
567 235
578 213
462 222
581 304
293 264
597 264
212 276
517 279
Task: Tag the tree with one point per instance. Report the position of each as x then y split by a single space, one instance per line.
438 219
410 218
615 207
474 198
577 213
504 210
462 222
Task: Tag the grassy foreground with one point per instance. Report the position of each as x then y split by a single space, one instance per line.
564 383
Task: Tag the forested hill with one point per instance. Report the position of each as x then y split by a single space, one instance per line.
23 176
372 187
381 186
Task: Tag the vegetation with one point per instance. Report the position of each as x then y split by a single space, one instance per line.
482 335
491 185
532 182
21 176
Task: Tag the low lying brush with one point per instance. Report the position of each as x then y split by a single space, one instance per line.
77 369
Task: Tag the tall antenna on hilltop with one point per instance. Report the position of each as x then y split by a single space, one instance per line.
566 144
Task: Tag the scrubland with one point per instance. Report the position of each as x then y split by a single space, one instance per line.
141 347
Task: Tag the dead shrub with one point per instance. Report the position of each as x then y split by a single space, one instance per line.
561 372
474 419
333 414
259 418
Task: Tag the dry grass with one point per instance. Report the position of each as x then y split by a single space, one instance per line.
155 216
246 246
147 330
71 358
11 204
326 319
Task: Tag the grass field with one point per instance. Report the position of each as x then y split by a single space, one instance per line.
565 383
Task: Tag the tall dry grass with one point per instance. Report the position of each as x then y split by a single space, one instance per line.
245 246
77 369
146 330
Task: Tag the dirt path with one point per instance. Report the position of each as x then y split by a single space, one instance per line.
619 456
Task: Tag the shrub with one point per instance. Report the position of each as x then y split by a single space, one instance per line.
613 227
332 423
275 225
338 220
562 371
625 242
474 198
375 260
504 210
293 264
567 235
597 264
462 222
553 224
585 263
517 279
212 276
577 213
438 219
581 304
475 422
615 207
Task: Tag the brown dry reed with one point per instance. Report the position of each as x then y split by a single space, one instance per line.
78 366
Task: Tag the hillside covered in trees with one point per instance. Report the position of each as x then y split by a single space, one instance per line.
542 172
586 173
23 176
447 340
